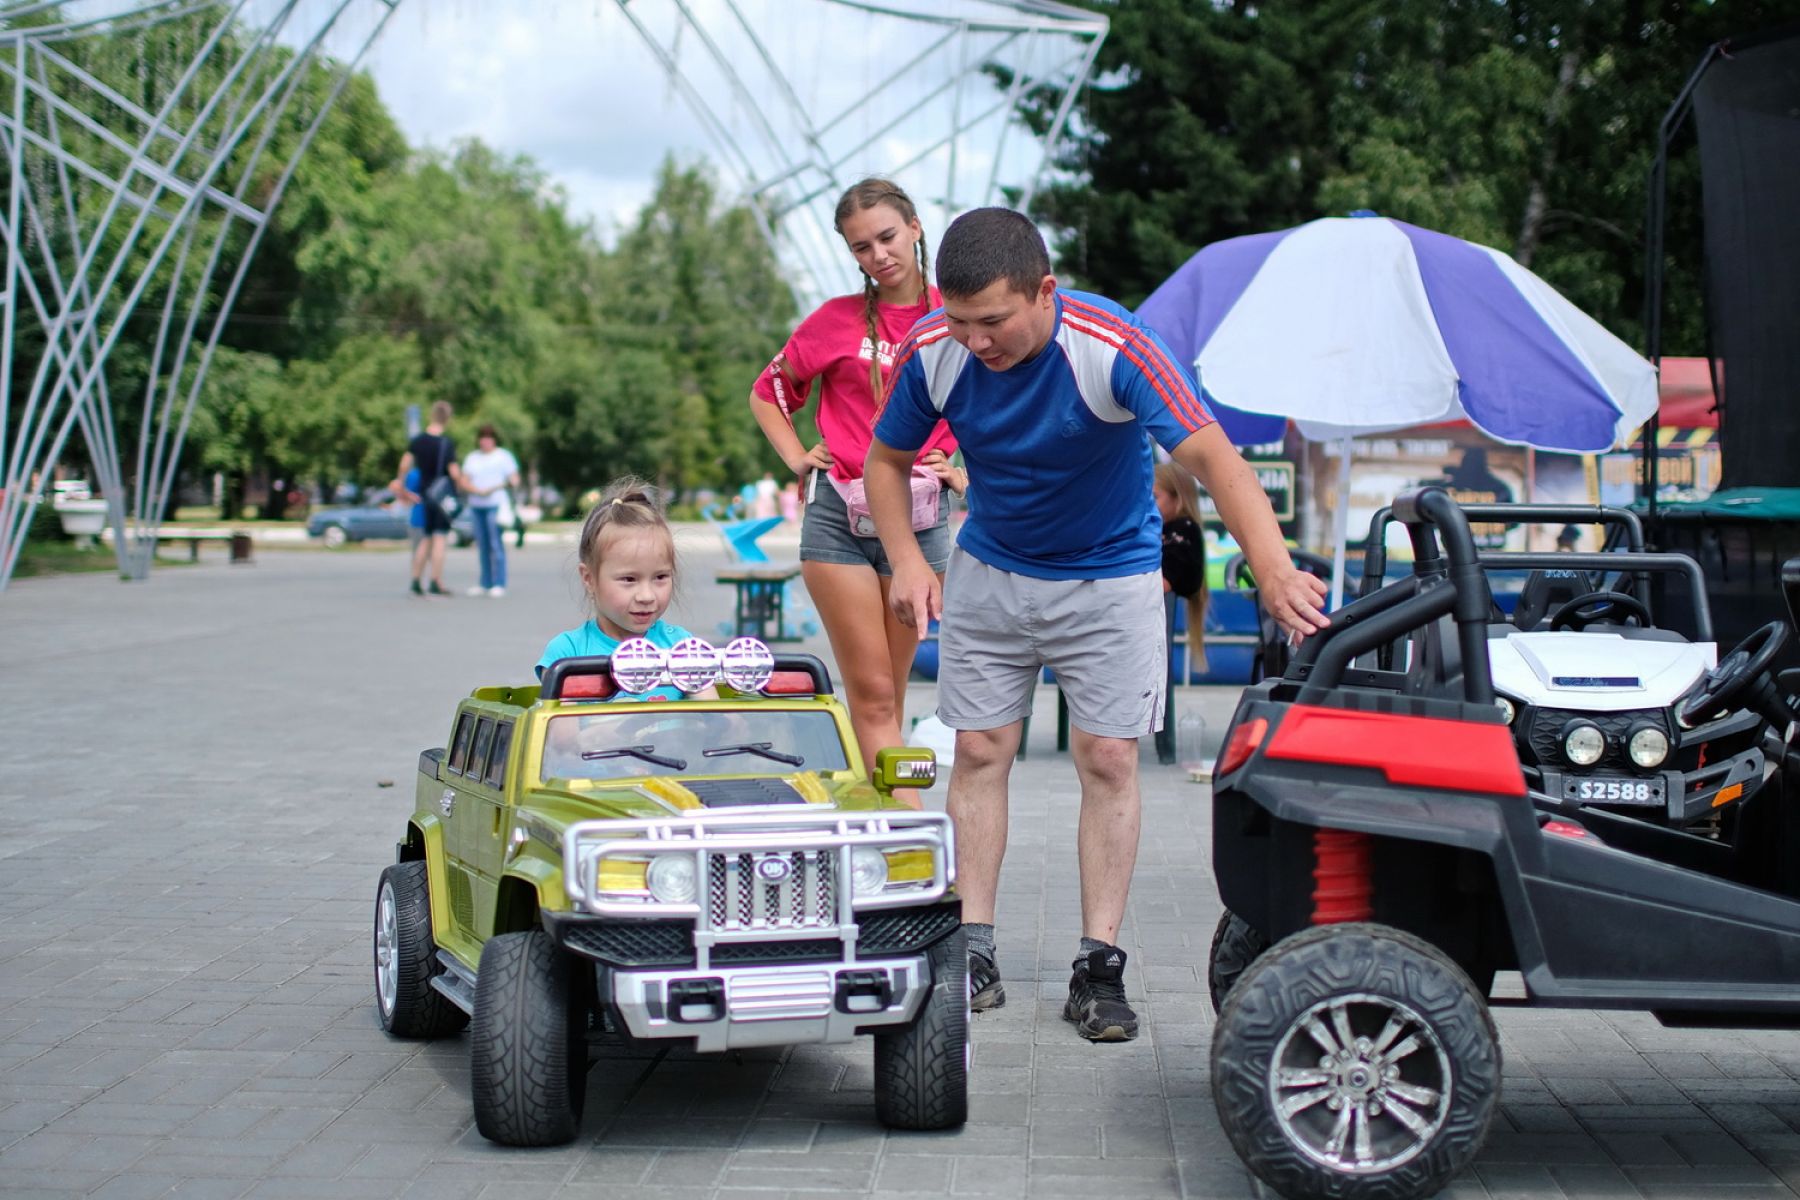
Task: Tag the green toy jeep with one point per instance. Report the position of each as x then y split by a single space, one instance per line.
717 872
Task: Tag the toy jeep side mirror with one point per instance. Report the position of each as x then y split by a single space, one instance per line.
904 767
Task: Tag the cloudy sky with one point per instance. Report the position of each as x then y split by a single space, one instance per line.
576 86
568 82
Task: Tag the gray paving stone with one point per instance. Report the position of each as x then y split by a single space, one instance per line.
190 1014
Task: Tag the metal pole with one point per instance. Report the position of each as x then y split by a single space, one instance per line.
1654 219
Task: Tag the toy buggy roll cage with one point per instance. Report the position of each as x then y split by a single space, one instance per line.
1451 583
1624 529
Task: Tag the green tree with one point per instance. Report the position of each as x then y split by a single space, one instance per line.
1529 126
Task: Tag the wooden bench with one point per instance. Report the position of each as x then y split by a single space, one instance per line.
239 542
759 598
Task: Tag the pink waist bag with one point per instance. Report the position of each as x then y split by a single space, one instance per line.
925 492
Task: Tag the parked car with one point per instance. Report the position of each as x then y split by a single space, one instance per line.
381 516
720 874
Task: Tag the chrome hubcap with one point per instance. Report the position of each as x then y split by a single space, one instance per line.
387 937
1360 1083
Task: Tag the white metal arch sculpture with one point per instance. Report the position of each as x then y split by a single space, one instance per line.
115 206
803 97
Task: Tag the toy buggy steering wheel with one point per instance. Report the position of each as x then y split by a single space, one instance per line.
1722 689
1590 607
1239 579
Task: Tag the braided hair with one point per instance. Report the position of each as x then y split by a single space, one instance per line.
866 194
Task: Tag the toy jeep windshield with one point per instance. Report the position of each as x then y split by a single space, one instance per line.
582 864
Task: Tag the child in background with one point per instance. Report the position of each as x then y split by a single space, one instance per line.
627 555
1184 553
408 493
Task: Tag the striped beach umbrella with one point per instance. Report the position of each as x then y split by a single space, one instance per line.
1362 324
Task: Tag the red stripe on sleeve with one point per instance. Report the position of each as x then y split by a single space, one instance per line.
1180 399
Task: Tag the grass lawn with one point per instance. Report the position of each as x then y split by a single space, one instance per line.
45 557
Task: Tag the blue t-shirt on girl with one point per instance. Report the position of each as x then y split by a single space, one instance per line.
589 639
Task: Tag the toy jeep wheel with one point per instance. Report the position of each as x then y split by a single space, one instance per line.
922 1070
528 1046
1234 947
1355 1061
406 958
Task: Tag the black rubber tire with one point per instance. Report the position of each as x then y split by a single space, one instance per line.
528 1046
1234 947
1313 967
419 1010
922 1070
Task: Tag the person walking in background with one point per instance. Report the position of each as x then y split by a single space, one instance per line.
844 349
1050 393
487 473
434 454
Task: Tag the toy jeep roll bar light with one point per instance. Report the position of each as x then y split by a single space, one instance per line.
1376 840
588 861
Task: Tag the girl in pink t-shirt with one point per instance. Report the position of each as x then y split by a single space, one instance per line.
843 352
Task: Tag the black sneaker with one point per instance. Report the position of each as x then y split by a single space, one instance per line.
417 589
985 989
1097 998
438 589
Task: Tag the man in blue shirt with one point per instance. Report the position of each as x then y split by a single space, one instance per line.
1050 394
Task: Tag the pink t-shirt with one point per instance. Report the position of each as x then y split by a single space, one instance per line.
831 347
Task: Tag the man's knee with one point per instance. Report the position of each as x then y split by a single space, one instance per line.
1109 761
987 749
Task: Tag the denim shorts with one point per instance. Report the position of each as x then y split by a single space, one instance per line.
825 535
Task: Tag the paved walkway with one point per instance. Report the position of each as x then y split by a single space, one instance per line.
202 775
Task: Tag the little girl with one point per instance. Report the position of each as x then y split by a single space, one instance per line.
627 554
1184 553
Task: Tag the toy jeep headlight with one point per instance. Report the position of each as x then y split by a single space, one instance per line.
868 871
1508 710
1583 743
1649 746
672 878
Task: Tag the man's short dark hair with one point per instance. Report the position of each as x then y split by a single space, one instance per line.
986 244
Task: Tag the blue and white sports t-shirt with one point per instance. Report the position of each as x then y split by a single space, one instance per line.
589 639
1059 466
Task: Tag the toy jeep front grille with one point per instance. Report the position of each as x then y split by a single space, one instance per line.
760 875
778 890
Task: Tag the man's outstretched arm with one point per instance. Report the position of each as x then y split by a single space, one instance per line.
1294 598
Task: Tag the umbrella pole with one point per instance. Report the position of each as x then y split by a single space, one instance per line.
1341 523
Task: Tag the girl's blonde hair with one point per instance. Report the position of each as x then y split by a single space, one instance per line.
1174 479
627 503
866 194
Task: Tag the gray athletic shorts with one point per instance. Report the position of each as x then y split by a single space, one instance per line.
1104 638
825 535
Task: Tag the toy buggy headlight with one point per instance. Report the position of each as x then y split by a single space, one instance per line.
672 878
1508 710
1583 743
1649 746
